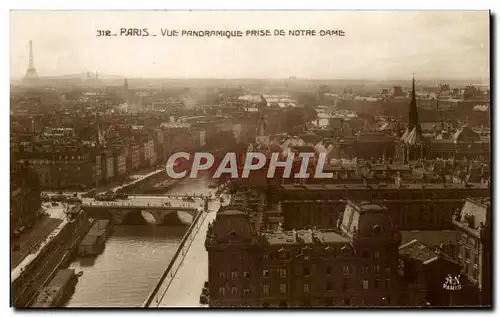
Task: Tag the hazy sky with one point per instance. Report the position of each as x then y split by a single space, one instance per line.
377 45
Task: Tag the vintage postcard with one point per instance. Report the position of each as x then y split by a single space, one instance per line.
250 159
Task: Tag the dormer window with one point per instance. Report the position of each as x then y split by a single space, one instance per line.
282 255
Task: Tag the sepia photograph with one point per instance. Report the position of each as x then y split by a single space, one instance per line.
250 159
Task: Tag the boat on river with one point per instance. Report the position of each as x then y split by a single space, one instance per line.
59 290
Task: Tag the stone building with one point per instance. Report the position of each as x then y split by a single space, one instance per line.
61 166
429 269
473 222
353 264
25 197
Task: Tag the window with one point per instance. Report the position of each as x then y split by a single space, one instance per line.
387 283
306 257
346 285
282 255
306 288
234 275
332 219
329 270
222 291
346 301
364 253
246 291
377 284
265 273
365 269
234 290
306 272
376 269
282 288
265 289
466 255
376 254
246 274
346 269
222 275
265 257
365 284
283 272
387 270
328 286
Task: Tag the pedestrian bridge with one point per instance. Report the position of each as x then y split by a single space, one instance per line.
120 212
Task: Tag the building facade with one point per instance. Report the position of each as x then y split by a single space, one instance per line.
62 167
25 199
405 214
354 264
473 222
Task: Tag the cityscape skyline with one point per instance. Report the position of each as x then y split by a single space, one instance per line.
459 38
344 162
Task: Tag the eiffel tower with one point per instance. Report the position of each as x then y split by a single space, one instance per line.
31 74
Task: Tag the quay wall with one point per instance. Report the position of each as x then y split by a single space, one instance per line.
55 255
143 184
156 296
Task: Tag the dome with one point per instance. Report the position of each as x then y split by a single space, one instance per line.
367 220
374 222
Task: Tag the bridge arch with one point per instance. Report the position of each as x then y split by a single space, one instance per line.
139 217
177 217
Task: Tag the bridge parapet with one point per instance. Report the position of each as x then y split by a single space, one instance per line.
118 213
134 207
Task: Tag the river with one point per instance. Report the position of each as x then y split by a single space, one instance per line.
132 262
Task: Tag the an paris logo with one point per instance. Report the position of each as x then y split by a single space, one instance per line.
452 283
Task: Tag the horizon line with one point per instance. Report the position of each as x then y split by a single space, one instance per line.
262 78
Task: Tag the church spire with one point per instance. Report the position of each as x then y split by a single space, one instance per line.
262 126
413 115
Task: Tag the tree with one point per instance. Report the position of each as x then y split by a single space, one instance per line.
296 118
307 99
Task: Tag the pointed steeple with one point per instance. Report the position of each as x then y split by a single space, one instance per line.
125 84
262 126
413 121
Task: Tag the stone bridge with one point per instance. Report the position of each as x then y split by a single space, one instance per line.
118 213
